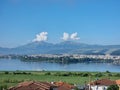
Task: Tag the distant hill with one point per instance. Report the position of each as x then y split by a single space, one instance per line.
116 52
68 47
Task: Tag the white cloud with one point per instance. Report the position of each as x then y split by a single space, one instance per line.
41 37
65 36
74 36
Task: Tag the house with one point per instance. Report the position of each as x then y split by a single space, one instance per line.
118 83
64 86
101 84
34 85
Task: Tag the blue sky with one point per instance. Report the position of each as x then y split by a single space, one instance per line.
95 21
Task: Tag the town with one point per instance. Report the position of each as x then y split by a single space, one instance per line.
78 56
68 58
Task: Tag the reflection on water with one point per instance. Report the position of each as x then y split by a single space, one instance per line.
16 64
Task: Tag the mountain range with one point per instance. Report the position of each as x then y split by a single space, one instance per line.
67 47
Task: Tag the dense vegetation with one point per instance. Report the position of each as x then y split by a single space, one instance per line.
8 79
113 87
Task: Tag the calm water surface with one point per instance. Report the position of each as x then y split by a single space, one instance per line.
16 64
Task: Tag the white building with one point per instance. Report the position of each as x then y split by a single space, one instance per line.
102 84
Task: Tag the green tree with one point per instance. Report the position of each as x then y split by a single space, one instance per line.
47 73
6 72
99 74
113 87
3 87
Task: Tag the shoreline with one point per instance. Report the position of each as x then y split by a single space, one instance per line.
54 71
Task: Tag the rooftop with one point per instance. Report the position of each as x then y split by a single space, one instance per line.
33 85
118 82
105 82
64 86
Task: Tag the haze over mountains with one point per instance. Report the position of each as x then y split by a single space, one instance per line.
66 47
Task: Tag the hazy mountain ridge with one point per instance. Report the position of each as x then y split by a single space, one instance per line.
61 48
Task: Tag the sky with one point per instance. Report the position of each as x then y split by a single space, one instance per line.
54 21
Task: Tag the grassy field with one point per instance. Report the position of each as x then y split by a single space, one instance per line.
13 78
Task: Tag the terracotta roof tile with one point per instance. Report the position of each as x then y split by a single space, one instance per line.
33 85
64 86
106 82
118 82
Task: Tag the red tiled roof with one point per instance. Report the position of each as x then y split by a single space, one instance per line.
64 86
32 85
118 82
105 82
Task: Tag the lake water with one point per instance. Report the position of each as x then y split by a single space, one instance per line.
16 64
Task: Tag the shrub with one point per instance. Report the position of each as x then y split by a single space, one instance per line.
23 73
70 73
85 74
6 80
107 71
47 73
98 74
109 74
65 74
3 87
18 72
6 72
113 87
117 75
57 74
78 74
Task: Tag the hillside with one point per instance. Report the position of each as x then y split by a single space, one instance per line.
68 47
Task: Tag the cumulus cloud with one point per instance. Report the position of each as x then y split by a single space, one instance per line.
41 37
65 36
73 36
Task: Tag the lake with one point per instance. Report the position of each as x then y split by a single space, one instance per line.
17 64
